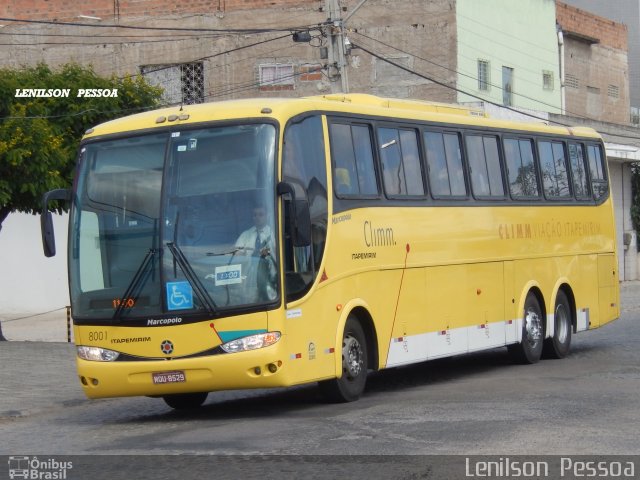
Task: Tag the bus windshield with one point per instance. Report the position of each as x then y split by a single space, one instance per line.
180 222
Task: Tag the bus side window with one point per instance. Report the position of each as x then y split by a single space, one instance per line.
352 154
523 177
444 164
597 169
579 171
554 169
400 158
484 163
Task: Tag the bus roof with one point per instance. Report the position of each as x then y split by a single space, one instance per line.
356 103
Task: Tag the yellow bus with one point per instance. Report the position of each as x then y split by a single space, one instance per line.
275 242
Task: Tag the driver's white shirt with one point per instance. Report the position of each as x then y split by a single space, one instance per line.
247 239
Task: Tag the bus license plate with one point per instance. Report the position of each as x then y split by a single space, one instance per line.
169 377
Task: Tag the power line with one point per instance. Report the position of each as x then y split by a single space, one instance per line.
251 85
540 102
457 72
493 29
443 84
87 35
207 57
164 29
89 44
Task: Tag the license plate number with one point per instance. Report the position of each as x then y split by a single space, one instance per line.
169 377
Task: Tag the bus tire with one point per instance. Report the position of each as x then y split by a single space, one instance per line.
185 401
559 344
529 350
350 385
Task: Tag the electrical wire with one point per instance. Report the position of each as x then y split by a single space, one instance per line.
457 72
164 29
208 57
540 102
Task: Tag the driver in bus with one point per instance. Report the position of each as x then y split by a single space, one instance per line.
257 242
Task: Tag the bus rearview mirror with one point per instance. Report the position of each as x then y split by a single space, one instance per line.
46 219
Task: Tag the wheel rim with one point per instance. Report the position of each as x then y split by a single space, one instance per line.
352 357
533 327
562 324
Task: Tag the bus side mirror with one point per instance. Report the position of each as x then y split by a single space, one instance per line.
300 227
46 219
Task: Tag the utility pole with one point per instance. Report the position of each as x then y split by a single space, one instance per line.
337 51
337 56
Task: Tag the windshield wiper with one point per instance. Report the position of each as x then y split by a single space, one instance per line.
135 282
200 290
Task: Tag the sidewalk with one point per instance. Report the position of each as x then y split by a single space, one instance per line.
40 327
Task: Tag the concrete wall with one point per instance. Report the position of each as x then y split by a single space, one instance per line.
597 79
67 11
627 12
620 174
30 282
520 35
418 29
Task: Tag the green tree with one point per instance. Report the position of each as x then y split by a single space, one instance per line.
39 136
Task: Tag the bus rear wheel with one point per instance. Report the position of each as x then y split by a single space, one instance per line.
185 401
529 350
350 385
559 344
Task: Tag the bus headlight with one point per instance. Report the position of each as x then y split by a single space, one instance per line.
252 342
97 354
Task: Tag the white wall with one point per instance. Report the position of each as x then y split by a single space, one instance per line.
30 282
621 193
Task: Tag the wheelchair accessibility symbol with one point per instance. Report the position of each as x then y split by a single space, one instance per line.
179 295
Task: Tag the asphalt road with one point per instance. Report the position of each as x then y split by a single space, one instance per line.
588 404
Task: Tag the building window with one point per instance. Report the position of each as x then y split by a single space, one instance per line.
613 91
483 75
181 83
507 86
276 76
547 80
571 81
192 80
594 90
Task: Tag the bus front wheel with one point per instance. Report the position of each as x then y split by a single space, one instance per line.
529 350
185 401
350 385
558 345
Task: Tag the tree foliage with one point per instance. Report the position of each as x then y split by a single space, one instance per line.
39 136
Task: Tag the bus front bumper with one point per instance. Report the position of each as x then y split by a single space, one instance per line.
262 368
